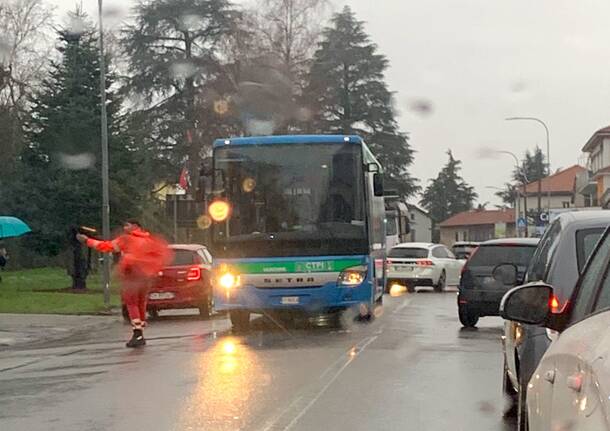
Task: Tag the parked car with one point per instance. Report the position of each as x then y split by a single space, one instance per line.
422 264
482 284
463 249
559 258
570 388
185 283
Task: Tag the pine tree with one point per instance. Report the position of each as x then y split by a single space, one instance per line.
448 194
347 93
174 52
534 167
58 181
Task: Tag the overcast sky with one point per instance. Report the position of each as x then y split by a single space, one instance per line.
478 61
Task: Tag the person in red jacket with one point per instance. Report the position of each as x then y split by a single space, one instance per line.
142 257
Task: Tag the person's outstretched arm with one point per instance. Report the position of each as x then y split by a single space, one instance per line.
101 246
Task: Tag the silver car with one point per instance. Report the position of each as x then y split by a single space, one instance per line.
559 258
570 388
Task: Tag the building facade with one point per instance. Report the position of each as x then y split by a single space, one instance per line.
478 225
420 223
594 184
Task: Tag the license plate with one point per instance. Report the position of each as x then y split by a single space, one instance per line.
161 295
404 268
290 300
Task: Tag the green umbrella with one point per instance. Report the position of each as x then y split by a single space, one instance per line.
12 226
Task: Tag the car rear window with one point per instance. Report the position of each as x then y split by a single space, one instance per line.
409 253
492 255
183 257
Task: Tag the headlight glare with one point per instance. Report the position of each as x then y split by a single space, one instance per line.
353 276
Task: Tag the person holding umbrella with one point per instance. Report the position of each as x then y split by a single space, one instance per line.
10 227
142 257
3 258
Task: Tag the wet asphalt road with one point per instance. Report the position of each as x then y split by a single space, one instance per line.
412 368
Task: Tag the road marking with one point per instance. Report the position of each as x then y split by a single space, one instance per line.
404 304
328 384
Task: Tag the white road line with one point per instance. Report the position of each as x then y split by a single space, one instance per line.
327 385
404 305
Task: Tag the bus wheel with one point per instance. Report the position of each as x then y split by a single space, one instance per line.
240 319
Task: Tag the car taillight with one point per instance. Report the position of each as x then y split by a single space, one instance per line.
425 262
555 304
194 274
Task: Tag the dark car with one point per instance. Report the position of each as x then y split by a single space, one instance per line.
481 286
559 259
186 283
463 249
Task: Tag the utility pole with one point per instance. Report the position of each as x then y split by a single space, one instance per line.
105 192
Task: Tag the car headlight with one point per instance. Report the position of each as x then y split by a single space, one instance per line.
353 276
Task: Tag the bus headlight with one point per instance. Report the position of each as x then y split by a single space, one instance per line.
353 276
226 278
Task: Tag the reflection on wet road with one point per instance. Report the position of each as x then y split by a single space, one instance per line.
412 368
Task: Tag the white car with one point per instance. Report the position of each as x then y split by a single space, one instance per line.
413 264
570 388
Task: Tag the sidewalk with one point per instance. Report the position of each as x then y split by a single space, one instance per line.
27 329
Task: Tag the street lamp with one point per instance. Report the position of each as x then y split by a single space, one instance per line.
548 152
486 153
105 192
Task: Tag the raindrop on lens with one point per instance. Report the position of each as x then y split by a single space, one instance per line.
76 162
182 70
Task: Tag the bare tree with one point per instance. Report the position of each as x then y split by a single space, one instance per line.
25 34
25 46
289 30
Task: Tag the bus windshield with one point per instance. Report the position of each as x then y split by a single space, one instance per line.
291 199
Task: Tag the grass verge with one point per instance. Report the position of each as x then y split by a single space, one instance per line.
40 291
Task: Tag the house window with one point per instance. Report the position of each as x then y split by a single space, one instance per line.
457 236
566 204
412 216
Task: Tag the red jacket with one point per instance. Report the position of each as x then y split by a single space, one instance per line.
142 254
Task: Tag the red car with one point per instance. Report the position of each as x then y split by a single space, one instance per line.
185 283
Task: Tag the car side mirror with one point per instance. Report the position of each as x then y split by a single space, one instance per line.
505 273
527 304
377 184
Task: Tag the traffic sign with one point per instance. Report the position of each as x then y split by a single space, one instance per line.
521 223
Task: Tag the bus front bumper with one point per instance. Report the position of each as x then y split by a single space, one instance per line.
310 300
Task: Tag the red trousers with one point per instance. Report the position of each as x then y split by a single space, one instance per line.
135 297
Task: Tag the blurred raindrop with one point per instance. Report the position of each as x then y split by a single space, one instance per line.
5 51
221 106
303 114
518 87
563 425
486 407
182 70
189 22
422 107
76 25
204 222
248 185
76 162
260 127
113 15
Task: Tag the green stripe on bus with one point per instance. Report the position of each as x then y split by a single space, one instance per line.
297 266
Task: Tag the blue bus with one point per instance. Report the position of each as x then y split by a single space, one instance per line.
298 226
